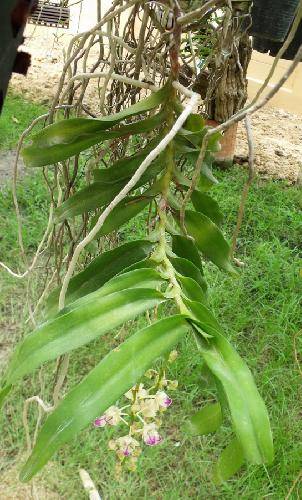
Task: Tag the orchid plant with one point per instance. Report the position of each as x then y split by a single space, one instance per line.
165 270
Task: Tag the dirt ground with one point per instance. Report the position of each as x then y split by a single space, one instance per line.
278 143
12 489
7 159
277 133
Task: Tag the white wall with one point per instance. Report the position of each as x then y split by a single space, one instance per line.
289 96
83 16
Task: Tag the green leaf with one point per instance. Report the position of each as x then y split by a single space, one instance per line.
207 179
248 411
191 289
194 123
75 138
184 146
69 330
124 168
207 206
229 462
142 264
209 239
108 381
122 213
136 278
152 171
186 248
97 195
100 270
191 139
93 196
67 138
195 137
186 268
194 131
205 421
203 317
214 142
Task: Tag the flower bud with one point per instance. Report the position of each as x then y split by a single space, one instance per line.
172 385
172 356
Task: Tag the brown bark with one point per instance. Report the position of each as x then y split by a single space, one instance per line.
230 92
229 95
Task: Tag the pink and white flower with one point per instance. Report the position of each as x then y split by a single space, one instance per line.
100 421
149 408
151 435
112 416
124 446
162 399
137 392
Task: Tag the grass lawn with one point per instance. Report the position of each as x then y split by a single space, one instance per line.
260 311
16 115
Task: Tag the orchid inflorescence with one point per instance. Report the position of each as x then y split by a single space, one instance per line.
142 415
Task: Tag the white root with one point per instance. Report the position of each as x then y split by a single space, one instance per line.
89 485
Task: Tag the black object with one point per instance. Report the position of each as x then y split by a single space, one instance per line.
50 14
13 16
267 46
272 18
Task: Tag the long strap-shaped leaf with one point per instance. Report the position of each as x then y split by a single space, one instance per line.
73 138
209 239
67 138
229 462
204 421
152 171
185 248
100 270
125 167
67 331
207 206
186 268
123 213
248 411
134 278
203 317
191 289
114 375
98 194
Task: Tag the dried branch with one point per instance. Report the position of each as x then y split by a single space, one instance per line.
200 12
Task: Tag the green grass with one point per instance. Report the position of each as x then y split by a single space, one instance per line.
16 115
260 313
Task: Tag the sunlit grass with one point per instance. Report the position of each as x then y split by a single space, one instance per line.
17 114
